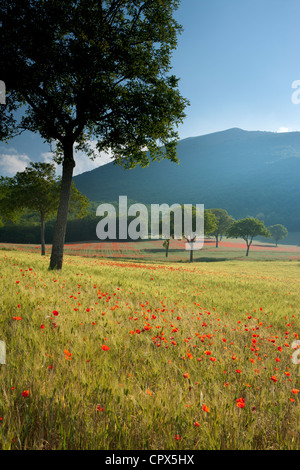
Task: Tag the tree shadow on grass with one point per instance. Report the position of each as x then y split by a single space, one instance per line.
207 259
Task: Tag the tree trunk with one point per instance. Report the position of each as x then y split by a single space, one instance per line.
56 260
247 252
191 255
217 241
43 251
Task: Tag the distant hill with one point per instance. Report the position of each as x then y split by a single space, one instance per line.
248 173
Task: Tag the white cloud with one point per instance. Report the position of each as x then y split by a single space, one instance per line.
12 162
48 158
282 129
83 162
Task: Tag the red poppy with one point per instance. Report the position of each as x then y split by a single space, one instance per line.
240 402
104 347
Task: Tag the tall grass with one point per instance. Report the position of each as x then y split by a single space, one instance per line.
175 337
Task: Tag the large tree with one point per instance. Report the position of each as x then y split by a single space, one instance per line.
91 70
37 189
247 229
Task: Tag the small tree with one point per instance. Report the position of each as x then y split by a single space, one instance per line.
224 221
278 232
247 229
37 189
166 245
210 224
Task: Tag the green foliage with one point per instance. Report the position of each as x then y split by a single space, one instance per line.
210 222
224 221
247 229
278 232
37 189
87 69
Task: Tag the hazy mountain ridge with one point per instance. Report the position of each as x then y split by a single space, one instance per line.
245 172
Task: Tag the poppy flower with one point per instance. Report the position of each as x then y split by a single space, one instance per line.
240 402
205 408
186 375
274 378
25 393
104 347
55 313
67 354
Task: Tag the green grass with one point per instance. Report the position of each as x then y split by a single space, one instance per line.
159 321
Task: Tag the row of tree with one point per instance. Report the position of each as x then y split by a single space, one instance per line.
218 223
247 228
37 189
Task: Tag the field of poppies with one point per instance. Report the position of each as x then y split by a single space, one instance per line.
152 250
124 354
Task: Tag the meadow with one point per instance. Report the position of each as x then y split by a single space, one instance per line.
150 353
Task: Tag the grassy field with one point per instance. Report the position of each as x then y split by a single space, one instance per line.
150 353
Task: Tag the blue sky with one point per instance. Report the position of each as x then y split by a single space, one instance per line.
236 59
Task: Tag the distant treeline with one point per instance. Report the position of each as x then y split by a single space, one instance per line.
77 230
27 229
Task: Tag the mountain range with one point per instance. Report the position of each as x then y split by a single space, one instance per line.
248 173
